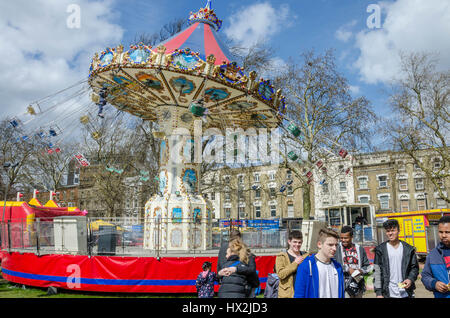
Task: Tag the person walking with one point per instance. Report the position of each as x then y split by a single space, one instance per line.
396 265
234 283
205 281
355 264
286 265
320 275
436 273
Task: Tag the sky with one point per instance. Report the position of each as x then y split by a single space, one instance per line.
45 48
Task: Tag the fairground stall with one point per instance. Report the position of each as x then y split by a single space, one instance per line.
417 228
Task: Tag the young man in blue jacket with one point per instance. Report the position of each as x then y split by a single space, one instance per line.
319 275
436 274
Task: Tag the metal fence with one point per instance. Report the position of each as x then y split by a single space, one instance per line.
116 236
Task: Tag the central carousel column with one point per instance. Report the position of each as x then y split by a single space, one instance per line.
178 218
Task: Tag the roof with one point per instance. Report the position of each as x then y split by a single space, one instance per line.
409 213
201 37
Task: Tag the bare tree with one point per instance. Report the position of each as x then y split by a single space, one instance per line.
328 118
49 166
420 102
119 148
17 149
258 57
168 30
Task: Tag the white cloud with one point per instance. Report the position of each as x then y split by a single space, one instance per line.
354 89
41 55
409 25
344 33
257 22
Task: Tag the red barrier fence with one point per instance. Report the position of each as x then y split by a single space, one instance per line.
114 274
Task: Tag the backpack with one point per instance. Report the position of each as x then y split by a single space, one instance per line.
272 284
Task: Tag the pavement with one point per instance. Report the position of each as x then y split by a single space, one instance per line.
420 291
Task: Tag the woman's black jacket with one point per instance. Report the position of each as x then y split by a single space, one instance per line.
235 285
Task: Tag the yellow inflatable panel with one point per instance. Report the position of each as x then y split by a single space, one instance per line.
51 204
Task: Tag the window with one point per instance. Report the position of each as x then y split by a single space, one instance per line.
342 186
441 203
290 190
403 184
227 179
364 199
272 176
419 184
258 193
256 177
382 181
335 217
289 175
241 179
227 213
213 196
362 181
227 196
273 210
325 188
341 169
257 211
440 183
437 164
416 166
421 204
242 212
241 195
384 202
290 211
404 205
272 192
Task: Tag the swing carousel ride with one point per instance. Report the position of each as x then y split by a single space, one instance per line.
188 77
191 77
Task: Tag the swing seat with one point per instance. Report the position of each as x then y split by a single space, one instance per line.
84 120
294 130
31 111
343 153
292 156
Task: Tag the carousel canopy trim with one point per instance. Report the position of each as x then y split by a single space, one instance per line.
201 38
206 15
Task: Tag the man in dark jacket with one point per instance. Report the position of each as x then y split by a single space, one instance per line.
396 266
354 261
436 274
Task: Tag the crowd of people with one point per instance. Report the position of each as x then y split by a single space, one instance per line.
337 270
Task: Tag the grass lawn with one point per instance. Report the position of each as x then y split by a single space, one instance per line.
11 290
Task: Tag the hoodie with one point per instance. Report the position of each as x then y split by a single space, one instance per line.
435 270
307 282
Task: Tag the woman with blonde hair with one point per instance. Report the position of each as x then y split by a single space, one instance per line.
238 278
